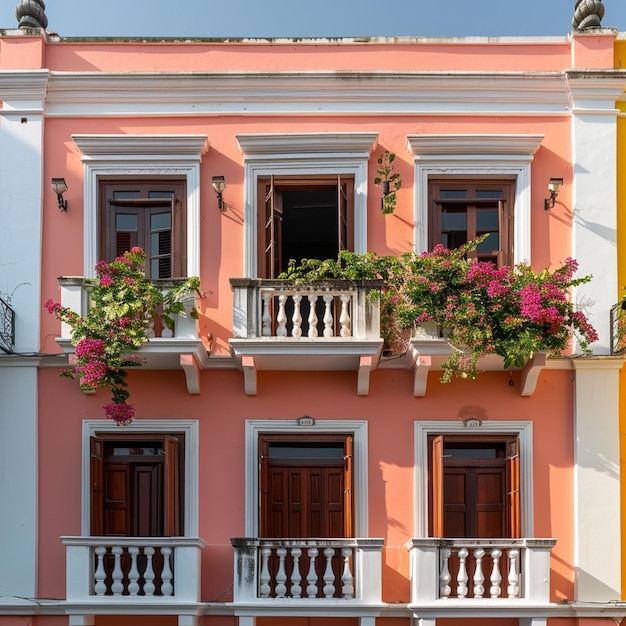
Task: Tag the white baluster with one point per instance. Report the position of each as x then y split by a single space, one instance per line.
117 587
266 318
479 577
347 579
312 316
462 578
344 318
513 588
264 579
167 588
444 576
148 575
296 588
296 319
311 578
329 576
281 576
150 334
496 577
281 318
100 575
133 574
328 315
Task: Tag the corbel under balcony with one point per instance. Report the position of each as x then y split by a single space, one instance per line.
426 355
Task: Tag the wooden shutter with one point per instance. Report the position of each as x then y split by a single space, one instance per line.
96 478
170 492
437 486
513 489
348 500
272 230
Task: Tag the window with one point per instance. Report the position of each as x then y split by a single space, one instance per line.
148 214
474 486
137 486
303 190
478 158
142 157
461 211
303 218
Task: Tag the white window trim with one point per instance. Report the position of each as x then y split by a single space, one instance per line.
161 426
358 430
301 155
522 429
134 156
505 157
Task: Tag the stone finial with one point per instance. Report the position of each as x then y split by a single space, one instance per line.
31 14
588 14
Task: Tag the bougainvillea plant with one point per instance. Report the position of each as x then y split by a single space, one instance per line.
478 307
123 304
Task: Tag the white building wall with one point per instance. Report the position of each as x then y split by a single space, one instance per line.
21 133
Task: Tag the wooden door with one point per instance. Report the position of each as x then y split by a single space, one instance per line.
306 487
474 487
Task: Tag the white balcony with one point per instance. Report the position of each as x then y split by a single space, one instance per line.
180 348
306 576
474 577
279 325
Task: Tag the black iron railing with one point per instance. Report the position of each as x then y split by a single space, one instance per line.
7 327
618 328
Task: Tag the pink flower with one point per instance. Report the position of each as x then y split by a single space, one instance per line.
106 281
120 412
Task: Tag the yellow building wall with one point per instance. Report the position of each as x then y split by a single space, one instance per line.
620 63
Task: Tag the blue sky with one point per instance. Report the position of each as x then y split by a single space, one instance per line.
306 18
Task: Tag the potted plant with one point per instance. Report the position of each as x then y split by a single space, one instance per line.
123 304
389 180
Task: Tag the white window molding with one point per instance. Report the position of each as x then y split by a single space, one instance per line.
135 156
358 430
479 157
159 426
302 154
521 429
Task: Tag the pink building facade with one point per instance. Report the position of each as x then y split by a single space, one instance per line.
277 478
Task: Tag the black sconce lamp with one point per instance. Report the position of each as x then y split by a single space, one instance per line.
60 187
219 184
553 187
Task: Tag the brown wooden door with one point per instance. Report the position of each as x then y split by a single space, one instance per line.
306 487
135 487
474 487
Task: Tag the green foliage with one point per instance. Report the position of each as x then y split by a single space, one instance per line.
479 308
389 180
123 304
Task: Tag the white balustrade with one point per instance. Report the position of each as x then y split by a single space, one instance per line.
76 295
515 569
335 569
282 309
127 567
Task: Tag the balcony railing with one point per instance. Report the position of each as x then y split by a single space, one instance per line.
324 310
76 295
7 327
122 569
166 349
618 328
473 570
301 570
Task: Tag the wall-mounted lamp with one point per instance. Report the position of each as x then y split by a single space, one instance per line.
553 187
60 187
219 184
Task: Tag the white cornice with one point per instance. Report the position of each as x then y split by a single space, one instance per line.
22 90
110 147
490 145
299 93
267 145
